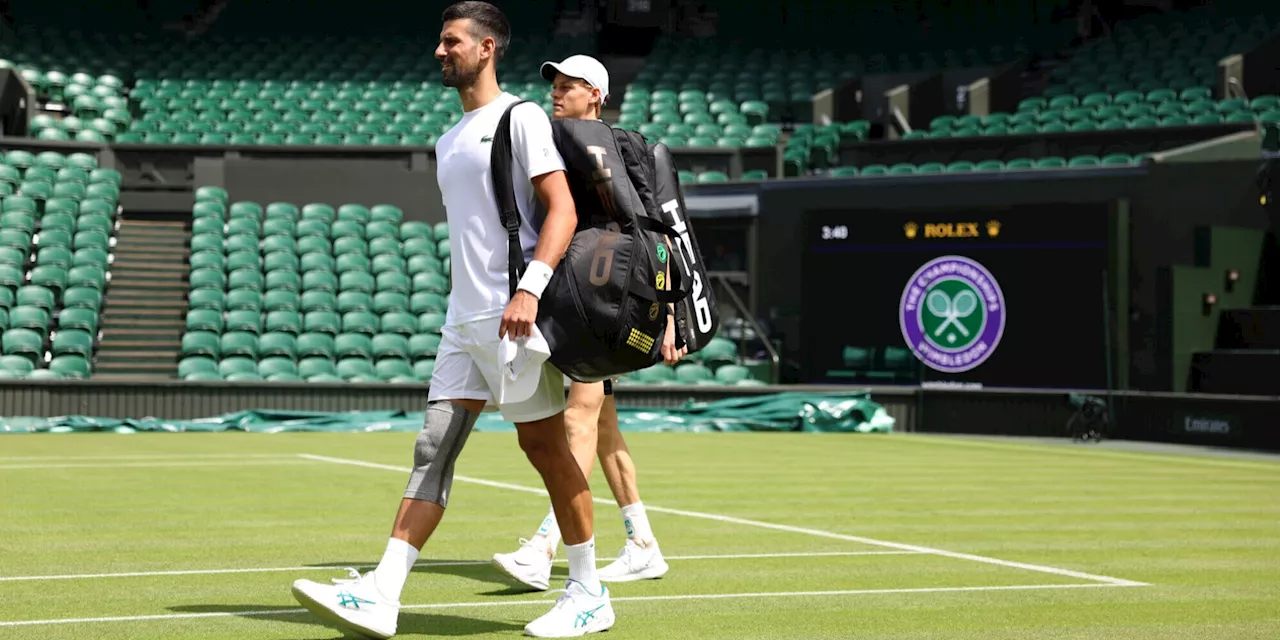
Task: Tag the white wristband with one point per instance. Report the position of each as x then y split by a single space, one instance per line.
535 279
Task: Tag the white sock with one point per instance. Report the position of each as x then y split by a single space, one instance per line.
637 523
549 532
582 564
394 568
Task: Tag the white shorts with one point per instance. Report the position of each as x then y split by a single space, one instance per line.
467 369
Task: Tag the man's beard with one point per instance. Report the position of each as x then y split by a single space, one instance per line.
459 77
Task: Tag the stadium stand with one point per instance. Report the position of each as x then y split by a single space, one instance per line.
325 294
313 293
336 90
57 222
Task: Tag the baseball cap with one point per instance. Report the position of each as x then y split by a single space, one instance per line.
583 67
521 363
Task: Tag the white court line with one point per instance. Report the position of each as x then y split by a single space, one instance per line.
1120 582
454 563
147 456
546 602
146 465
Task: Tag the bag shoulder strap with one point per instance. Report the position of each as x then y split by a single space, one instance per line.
504 192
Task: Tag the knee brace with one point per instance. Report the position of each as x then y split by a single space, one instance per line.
445 428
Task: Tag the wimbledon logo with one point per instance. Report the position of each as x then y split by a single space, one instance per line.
952 314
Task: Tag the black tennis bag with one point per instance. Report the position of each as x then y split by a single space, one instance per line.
604 312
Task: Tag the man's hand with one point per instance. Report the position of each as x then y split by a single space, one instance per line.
670 354
520 316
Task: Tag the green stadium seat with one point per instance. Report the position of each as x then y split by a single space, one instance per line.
70 366
16 366
87 276
1051 162
353 345
278 369
247 278
205 320
282 211
244 299
49 276
23 341
359 321
285 278
52 237
28 317
395 371
200 343
216 194
315 344
425 301
388 301
243 320
277 343
73 341
732 374
318 369
693 373
281 299
430 281
75 318
415 230
242 258
238 343
423 345
318 300
238 369
208 260
423 369
319 280
35 296
357 369
390 345
401 322
387 213
283 321
11 277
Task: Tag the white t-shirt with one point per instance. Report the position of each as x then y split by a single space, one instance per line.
477 239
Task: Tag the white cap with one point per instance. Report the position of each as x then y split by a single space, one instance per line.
521 363
581 67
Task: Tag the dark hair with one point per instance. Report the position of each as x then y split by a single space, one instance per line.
487 21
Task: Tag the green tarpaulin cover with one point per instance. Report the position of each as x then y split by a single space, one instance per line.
853 413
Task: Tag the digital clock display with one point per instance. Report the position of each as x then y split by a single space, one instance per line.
835 232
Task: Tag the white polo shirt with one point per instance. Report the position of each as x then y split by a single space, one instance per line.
477 239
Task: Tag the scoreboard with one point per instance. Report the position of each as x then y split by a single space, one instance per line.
998 297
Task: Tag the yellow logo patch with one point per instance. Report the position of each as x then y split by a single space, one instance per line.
653 311
660 281
640 341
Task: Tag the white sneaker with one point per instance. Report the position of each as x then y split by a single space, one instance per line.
354 605
576 613
636 563
529 565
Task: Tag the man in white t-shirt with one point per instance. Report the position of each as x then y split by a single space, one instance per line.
490 351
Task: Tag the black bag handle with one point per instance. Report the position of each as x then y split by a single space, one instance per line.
505 193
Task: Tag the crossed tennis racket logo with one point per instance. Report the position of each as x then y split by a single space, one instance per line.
951 309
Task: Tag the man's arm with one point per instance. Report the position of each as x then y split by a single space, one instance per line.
535 152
